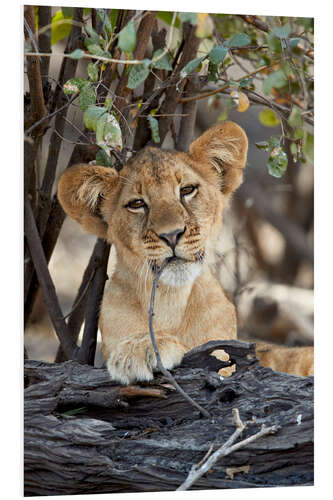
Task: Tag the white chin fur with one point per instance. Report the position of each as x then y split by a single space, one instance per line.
180 273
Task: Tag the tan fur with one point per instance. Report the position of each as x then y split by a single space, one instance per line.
191 307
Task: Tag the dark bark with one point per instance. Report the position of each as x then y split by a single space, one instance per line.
44 42
173 93
187 124
46 283
147 437
94 299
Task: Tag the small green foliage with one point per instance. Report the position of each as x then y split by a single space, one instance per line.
282 31
217 54
278 160
138 74
127 38
103 159
87 96
92 71
91 115
164 62
73 86
276 80
104 18
239 40
77 54
268 118
153 125
60 27
295 119
191 66
108 133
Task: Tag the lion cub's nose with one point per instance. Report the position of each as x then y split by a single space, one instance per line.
171 239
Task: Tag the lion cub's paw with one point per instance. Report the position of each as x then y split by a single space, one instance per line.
135 360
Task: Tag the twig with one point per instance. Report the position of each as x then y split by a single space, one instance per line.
221 89
160 366
87 350
46 283
47 117
82 295
197 470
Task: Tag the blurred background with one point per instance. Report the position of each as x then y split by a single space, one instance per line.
265 255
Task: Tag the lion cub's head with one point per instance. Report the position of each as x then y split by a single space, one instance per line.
162 203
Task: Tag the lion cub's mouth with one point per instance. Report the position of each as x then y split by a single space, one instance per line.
180 271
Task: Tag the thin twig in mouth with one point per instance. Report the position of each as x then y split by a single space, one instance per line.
160 366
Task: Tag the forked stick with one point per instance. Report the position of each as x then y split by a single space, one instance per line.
160 366
228 447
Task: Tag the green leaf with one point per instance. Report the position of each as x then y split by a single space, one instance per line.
274 43
217 54
282 31
153 125
308 147
213 72
277 162
104 18
94 36
268 118
60 27
273 142
263 145
91 115
74 85
87 96
77 54
127 38
95 50
239 40
92 71
103 159
191 66
108 133
190 17
295 119
275 80
137 75
164 62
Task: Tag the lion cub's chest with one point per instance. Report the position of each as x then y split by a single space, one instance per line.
170 308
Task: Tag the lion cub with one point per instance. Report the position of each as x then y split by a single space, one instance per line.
162 204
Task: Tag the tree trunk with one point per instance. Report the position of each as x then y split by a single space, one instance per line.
86 434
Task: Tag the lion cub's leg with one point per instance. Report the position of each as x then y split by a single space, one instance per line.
133 358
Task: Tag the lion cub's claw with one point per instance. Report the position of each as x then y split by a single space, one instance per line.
134 361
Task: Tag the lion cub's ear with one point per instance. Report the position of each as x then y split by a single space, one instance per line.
82 190
221 149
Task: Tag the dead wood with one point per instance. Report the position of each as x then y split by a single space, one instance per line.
86 434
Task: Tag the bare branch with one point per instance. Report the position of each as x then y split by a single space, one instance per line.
45 280
227 448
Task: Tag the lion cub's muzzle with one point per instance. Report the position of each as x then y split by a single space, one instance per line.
172 239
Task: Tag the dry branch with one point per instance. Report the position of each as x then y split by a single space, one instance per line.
44 278
227 448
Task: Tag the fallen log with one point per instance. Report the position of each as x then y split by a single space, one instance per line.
87 434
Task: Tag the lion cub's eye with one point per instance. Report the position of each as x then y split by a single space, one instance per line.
136 204
186 190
